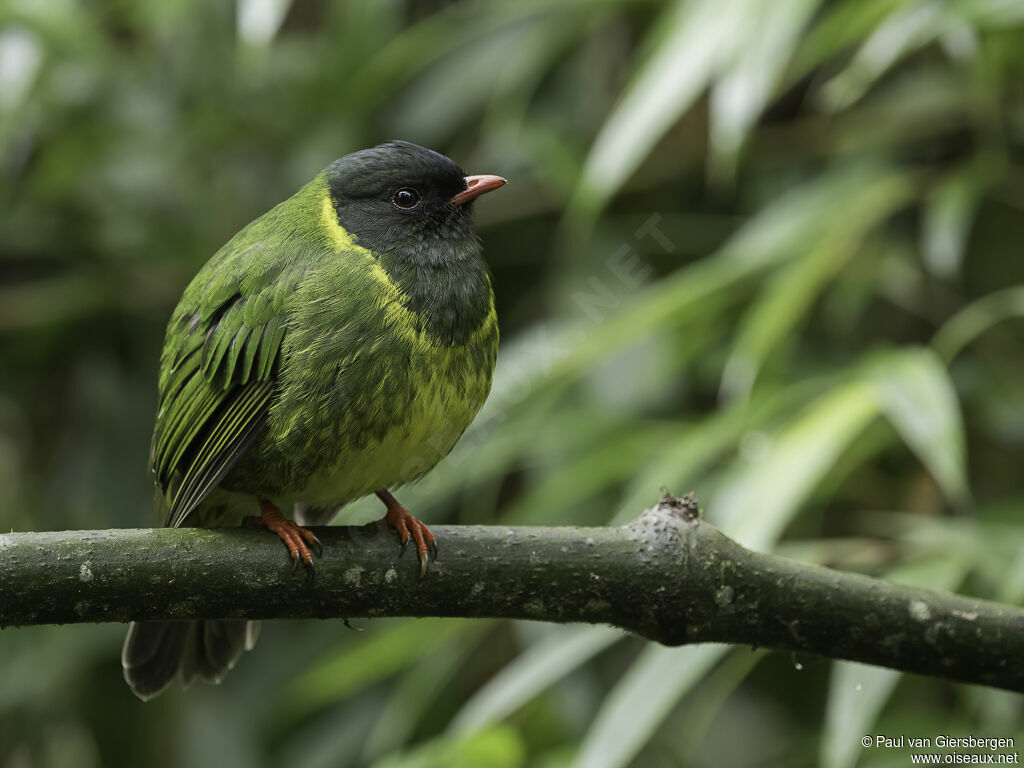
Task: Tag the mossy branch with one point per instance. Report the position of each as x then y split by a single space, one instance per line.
668 576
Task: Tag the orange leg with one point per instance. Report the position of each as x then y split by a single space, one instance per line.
299 540
408 527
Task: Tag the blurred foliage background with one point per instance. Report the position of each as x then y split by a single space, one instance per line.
769 252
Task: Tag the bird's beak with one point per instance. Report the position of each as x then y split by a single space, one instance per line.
476 186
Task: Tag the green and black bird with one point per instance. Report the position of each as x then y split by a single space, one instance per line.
337 346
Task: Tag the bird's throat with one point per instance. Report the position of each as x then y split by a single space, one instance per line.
446 285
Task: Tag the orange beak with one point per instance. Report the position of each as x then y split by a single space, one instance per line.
476 186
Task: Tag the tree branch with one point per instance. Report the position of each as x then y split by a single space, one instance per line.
667 576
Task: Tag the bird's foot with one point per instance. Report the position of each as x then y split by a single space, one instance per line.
409 529
301 542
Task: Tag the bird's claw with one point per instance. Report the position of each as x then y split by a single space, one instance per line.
309 565
300 541
411 529
316 545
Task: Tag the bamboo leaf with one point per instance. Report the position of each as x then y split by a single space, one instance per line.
764 490
789 296
540 666
911 26
920 401
769 32
976 318
494 748
368 660
640 701
694 36
949 215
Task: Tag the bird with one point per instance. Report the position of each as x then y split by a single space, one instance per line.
337 346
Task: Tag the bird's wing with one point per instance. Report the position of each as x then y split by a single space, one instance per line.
218 375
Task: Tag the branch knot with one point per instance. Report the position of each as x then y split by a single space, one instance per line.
684 506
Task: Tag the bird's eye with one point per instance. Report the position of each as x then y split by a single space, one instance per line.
406 198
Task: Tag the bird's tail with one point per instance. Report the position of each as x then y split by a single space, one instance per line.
157 653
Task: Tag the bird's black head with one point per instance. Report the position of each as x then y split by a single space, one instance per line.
410 207
407 201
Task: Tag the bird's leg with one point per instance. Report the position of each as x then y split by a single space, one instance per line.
408 527
299 540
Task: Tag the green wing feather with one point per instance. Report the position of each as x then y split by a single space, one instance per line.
219 366
237 425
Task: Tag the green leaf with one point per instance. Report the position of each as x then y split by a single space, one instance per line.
641 700
260 20
910 27
786 226
790 295
371 658
680 460
693 37
494 748
759 496
949 214
451 92
976 318
920 401
769 32
991 14
596 467
539 667
842 25
414 696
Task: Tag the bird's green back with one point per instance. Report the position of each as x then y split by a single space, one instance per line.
223 344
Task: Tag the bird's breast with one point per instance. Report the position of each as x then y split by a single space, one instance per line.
375 410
